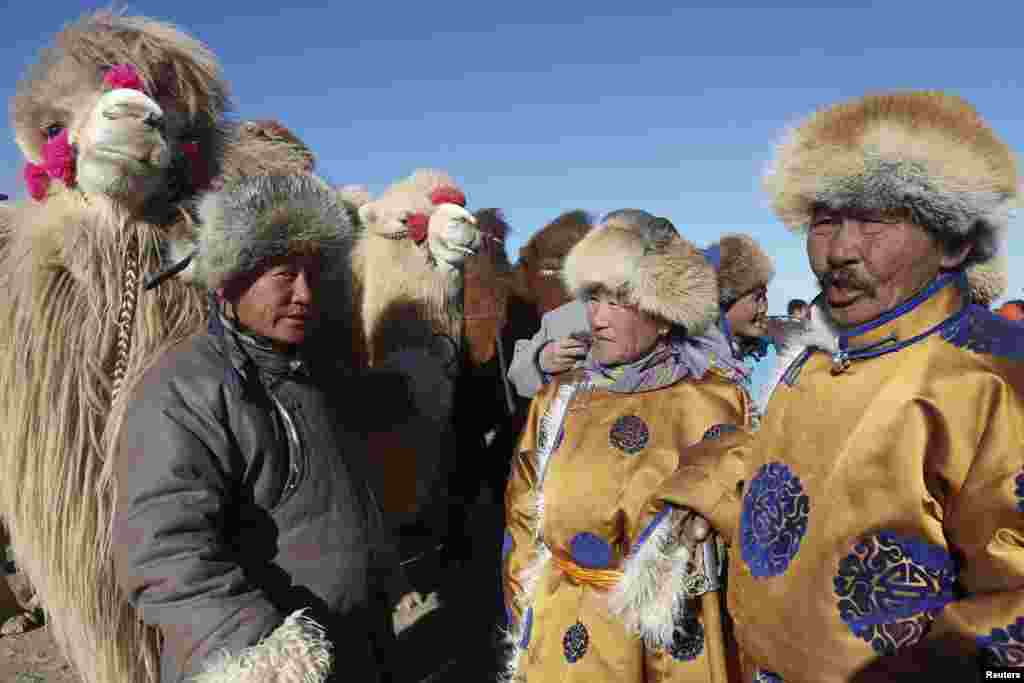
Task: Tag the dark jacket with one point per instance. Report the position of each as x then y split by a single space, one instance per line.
241 502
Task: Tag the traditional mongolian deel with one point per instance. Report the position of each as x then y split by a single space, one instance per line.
890 589
629 434
927 443
774 520
597 570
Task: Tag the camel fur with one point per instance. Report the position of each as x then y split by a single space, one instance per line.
76 328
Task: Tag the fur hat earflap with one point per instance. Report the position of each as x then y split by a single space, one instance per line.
742 266
988 281
266 217
927 152
644 259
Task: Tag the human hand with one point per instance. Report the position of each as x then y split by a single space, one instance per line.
561 354
409 601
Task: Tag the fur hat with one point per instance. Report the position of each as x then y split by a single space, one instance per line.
928 152
742 266
264 217
643 258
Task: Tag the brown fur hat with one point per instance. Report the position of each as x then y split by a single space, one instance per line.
742 266
928 152
546 249
644 259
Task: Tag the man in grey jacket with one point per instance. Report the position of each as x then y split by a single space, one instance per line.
245 530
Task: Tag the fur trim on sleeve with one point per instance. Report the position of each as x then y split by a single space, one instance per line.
649 597
297 651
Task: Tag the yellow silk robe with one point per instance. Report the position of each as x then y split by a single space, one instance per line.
590 501
877 516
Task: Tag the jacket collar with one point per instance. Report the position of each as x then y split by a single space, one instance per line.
244 347
938 306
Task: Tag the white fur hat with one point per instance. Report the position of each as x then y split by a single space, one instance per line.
651 266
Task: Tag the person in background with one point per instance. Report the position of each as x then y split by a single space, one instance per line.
798 308
1012 310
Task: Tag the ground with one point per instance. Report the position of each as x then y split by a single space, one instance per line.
449 639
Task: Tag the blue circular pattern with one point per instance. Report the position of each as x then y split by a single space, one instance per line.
716 431
687 639
773 520
1019 481
767 677
891 587
629 434
1004 646
590 551
575 642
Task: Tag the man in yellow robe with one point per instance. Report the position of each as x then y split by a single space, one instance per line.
876 519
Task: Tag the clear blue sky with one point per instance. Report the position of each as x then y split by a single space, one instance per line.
542 107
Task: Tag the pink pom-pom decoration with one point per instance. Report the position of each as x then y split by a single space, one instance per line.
418 226
448 195
59 158
37 180
201 179
124 76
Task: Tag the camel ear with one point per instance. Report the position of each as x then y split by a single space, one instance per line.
367 214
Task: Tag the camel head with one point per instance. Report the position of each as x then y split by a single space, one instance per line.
452 235
121 107
265 147
537 277
426 208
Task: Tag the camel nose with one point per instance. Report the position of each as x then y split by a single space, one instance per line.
124 103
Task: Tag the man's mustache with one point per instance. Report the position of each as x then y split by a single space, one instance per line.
846 279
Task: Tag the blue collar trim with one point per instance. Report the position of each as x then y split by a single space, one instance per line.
928 292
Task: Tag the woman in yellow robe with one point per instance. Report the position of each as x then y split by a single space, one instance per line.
598 583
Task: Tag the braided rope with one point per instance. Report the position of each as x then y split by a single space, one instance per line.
126 315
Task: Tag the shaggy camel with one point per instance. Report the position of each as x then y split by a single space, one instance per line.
121 121
408 269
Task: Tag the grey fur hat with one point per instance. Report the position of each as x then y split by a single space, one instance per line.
259 218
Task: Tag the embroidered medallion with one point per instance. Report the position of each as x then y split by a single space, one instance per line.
719 430
629 434
687 639
767 677
590 551
773 520
1004 646
890 589
575 642
1019 481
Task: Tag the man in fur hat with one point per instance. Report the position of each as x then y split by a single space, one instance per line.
876 515
245 530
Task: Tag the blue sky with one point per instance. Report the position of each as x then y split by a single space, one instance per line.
542 107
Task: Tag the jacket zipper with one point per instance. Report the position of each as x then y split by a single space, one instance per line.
294 452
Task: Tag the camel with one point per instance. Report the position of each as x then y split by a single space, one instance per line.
408 269
122 123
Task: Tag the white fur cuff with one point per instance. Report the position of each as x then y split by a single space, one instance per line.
295 652
649 598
